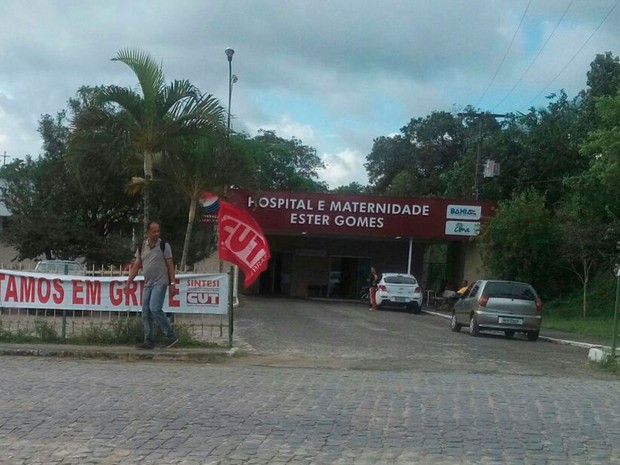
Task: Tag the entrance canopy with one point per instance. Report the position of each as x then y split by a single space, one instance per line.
364 215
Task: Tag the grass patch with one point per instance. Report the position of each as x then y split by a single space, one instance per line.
41 332
122 331
566 314
130 331
595 327
611 365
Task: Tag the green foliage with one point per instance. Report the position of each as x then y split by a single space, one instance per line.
565 312
285 165
413 163
604 75
70 203
520 242
602 186
158 117
122 330
601 298
169 136
40 331
351 188
46 331
129 330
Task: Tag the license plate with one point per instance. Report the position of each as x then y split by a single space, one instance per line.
400 299
510 321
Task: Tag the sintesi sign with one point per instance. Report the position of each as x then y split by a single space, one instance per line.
363 215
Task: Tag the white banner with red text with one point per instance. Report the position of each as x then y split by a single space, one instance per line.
192 293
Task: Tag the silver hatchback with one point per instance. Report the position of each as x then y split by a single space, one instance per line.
508 306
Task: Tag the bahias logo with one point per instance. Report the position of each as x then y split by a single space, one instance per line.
465 212
209 202
242 241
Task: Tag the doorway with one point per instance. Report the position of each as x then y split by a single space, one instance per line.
347 275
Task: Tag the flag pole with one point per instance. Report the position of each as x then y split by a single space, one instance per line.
230 306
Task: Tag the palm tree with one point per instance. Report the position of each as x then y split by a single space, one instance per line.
208 163
161 115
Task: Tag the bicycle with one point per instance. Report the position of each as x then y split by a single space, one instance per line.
364 295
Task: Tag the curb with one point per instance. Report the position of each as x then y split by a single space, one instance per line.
121 353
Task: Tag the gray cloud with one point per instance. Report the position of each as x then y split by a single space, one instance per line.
341 72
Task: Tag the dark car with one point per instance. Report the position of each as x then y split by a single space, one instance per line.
508 306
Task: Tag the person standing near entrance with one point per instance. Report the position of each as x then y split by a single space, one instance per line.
463 288
373 283
155 258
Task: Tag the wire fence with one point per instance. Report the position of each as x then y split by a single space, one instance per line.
95 326
105 327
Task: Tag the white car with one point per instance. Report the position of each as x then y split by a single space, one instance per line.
399 290
67 267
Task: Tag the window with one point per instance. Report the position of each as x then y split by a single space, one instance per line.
509 290
400 280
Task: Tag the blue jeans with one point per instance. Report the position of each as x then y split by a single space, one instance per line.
152 303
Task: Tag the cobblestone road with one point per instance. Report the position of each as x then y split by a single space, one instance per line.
92 412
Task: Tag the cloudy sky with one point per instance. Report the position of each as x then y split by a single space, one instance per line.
333 73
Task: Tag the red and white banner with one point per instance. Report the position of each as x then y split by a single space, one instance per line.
193 293
242 241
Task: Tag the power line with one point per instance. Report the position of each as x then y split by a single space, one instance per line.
505 54
537 55
576 53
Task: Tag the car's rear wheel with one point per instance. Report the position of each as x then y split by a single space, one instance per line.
532 335
509 333
454 325
474 329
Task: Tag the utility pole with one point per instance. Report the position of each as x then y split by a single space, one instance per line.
479 152
5 156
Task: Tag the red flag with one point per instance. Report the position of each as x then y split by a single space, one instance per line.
242 241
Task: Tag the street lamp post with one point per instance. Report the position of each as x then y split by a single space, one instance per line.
229 54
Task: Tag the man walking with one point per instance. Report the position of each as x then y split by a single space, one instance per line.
155 258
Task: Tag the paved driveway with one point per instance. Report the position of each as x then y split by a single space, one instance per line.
347 335
346 386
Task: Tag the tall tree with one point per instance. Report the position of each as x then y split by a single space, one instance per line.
389 156
158 116
601 183
286 165
603 80
414 162
520 241
604 75
206 164
98 163
351 188
583 240
69 205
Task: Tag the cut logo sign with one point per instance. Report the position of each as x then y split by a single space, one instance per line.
242 241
